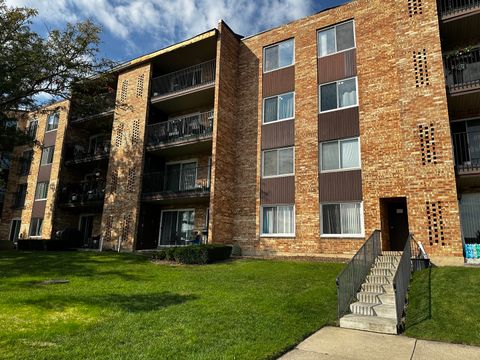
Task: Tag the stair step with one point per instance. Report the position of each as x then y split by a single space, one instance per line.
394 253
369 323
382 272
368 297
379 279
386 310
387 298
387 259
361 308
385 265
377 288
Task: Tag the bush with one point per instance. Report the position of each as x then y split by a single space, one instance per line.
169 253
193 254
218 252
159 255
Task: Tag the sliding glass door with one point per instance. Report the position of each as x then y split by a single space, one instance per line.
176 227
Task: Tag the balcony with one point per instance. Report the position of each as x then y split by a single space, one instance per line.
463 72
100 106
187 129
177 182
82 194
466 146
78 155
191 79
450 9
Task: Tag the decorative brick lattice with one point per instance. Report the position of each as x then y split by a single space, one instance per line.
426 135
436 227
127 219
420 68
119 135
108 229
113 181
132 175
414 7
136 131
123 93
140 81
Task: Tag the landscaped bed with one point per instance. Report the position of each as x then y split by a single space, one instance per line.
444 305
123 306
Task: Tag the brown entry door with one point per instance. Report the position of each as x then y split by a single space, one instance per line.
397 223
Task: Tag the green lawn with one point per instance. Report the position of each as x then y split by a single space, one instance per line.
122 306
452 312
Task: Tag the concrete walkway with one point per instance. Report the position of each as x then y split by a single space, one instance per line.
344 344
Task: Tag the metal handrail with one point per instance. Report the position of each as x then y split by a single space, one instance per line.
82 192
177 181
401 280
463 69
450 7
353 275
182 128
191 77
462 152
79 154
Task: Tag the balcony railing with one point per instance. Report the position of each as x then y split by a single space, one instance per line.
466 147
179 129
188 78
454 7
463 70
82 193
83 110
177 182
77 154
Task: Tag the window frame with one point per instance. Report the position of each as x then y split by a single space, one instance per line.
338 141
46 191
336 84
38 229
57 114
277 235
273 45
29 128
347 236
278 108
41 155
13 228
335 27
277 150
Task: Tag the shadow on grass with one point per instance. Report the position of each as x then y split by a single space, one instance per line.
133 303
419 298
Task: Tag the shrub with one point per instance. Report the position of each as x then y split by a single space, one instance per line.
159 255
170 253
193 254
218 252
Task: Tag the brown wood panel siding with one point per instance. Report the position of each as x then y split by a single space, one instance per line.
279 134
38 208
338 124
44 172
279 81
340 186
280 190
50 138
336 67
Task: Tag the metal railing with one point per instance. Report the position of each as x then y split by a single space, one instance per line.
188 78
83 109
451 7
352 277
466 151
83 192
178 129
401 280
79 154
463 69
177 181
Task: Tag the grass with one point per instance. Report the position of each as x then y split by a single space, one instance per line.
444 305
119 306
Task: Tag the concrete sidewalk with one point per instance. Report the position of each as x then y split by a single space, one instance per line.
344 344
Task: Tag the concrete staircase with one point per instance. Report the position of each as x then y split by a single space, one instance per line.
375 308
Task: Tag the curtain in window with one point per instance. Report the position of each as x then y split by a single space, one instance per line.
270 110
285 161
286 106
347 93
330 156
268 220
349 150
326 42
331 219
351 219
285 222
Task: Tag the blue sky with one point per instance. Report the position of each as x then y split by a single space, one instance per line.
135 27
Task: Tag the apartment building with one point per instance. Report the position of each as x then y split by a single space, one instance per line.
300 140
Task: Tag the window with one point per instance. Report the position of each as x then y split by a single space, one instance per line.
19 198
278 56
14 230
342 219
339 94
278 220
280 107
278 162
41 191
32 129
52 121
36 227
340 155
335 39
25 162
47 155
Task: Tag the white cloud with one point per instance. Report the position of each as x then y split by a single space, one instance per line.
167 21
